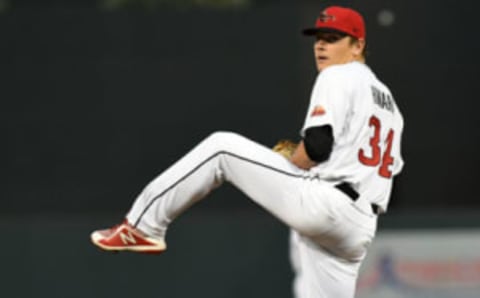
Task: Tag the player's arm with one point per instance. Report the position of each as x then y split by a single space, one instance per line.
315 147
300 157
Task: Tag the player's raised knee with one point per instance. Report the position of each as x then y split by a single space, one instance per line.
224 139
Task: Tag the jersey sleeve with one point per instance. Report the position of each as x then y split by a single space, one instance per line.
329 102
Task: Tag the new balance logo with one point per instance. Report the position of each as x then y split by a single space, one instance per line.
128 238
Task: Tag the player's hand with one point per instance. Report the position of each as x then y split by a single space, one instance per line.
300 157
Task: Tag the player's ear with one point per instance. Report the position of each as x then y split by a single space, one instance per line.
358 47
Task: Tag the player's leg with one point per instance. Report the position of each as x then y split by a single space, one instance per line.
266 177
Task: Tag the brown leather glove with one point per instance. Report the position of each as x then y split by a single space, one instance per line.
285 148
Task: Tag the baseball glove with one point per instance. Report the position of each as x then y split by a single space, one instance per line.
285 148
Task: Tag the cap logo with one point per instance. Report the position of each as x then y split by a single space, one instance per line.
324 17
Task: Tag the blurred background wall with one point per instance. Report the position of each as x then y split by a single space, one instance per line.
99 96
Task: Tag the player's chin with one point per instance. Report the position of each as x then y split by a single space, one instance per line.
322 63
321 66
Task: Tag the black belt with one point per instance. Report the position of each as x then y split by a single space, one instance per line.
347 189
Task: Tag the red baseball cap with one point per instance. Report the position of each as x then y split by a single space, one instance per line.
339 19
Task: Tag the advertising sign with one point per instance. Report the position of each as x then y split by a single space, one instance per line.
423 264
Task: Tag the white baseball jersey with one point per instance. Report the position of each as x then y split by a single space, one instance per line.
367 126
330 231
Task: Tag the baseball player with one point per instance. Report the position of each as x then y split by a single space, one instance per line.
329 190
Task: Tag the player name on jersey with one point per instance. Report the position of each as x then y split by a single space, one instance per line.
382 99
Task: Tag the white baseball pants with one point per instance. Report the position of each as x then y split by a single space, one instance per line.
311 207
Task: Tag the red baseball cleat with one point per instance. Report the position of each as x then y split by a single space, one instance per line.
124 237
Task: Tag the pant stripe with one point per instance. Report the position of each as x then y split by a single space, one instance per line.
203 163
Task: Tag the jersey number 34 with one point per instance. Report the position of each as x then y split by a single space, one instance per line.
377 158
